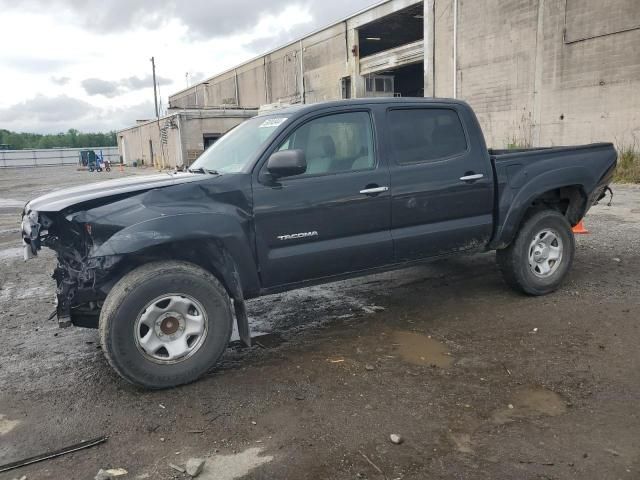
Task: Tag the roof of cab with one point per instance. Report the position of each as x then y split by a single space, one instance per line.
310 107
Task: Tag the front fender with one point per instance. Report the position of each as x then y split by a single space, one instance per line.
211 234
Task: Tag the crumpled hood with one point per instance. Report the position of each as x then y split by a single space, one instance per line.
61 199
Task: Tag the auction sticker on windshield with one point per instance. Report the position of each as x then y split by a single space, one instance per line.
273 122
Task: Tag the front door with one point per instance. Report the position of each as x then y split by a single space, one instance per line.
333 219
442 184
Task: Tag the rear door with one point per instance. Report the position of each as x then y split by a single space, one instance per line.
442 184
333 219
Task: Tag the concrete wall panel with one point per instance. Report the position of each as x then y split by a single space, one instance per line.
325 63
185 137
536 71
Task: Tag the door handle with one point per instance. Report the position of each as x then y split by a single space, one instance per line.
472 178
369 191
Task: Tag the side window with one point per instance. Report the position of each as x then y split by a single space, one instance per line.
425 134
336 143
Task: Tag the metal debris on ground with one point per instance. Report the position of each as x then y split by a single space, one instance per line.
177 467
370 462
56 453
110 473
195 466
372 308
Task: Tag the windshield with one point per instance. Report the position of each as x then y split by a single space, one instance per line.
236 149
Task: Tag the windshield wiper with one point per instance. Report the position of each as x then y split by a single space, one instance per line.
203 170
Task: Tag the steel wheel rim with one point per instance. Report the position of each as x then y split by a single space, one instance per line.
171 328
545 253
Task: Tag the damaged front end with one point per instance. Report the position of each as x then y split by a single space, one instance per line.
83 281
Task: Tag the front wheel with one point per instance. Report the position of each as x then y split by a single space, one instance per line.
165 324
539 258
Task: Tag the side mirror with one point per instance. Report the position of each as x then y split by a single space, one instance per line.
287 163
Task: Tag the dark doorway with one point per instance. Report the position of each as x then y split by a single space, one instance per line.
408 81
209 139
345 84
151 152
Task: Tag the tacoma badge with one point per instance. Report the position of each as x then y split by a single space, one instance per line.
298 235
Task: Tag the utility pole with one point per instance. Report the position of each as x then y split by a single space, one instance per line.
155 100
155 91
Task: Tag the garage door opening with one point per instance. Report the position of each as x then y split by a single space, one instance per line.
400 28
209 139
392 54
406 81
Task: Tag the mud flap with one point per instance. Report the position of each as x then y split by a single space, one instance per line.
243 321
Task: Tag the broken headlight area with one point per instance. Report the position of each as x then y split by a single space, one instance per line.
34 227
83 284
82 281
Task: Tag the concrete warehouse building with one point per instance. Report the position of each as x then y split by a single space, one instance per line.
537 72
178 138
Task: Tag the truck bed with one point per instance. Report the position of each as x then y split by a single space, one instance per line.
527 153
524 174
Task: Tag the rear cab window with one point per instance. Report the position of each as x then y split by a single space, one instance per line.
419 135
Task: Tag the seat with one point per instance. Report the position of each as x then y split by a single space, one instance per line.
321 155
364 160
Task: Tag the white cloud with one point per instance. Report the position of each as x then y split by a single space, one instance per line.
60 80
111 89
94 56
58 114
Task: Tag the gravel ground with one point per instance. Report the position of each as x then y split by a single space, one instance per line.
480 382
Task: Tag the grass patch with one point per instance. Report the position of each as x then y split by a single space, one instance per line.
628 170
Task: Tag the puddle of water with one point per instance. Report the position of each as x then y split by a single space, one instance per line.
230 467
11 253
11 203
419 349
11 291
532 402
7 425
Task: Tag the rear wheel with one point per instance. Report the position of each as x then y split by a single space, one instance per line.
165 324
539 258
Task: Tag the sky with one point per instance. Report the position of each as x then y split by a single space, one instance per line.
85 64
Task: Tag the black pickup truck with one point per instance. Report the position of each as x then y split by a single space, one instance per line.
307 194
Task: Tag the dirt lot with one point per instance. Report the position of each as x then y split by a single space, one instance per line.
481 383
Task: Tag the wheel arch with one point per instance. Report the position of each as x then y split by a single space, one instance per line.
212 256
209 254
570 200
219 243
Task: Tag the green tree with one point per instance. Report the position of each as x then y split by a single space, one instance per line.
72 138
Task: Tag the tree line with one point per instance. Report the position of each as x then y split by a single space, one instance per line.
72 138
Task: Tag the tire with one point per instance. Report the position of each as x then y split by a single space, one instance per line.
525 261
134 300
